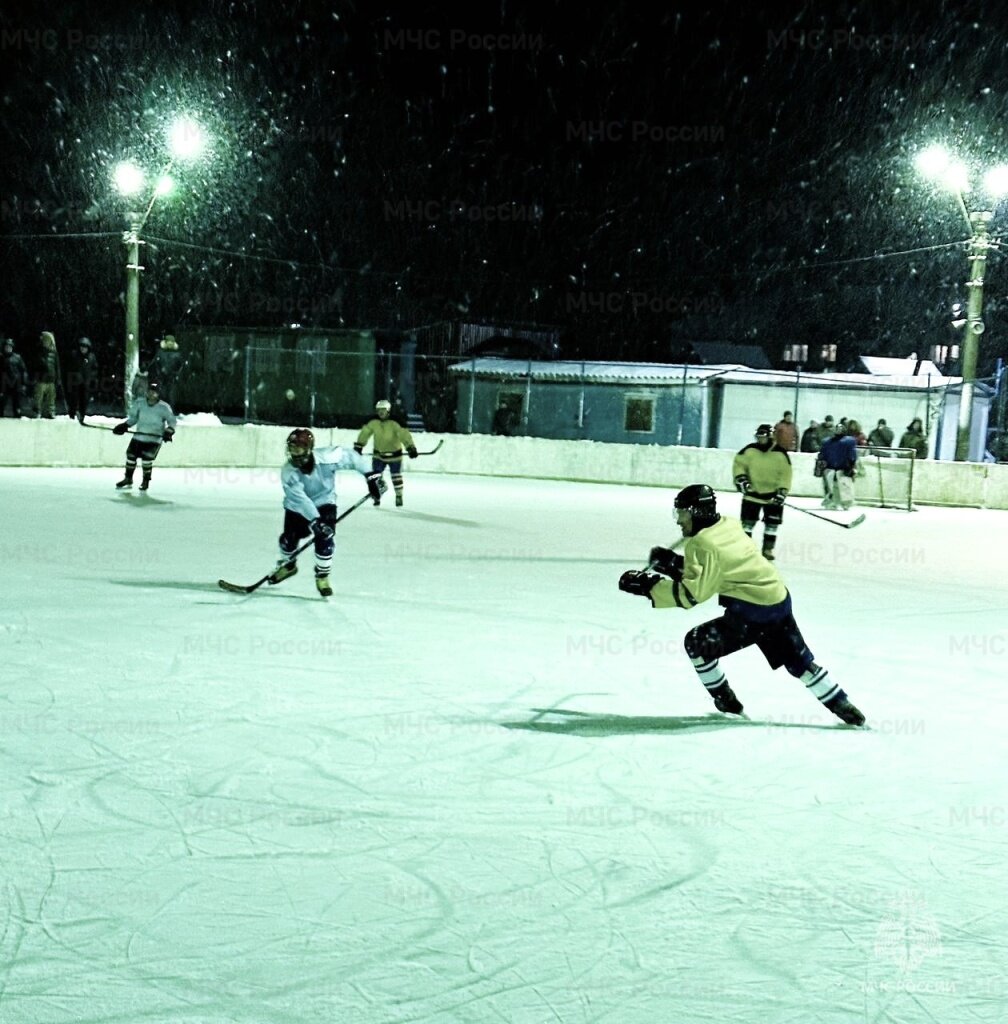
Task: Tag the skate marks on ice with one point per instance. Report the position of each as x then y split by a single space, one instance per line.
568 722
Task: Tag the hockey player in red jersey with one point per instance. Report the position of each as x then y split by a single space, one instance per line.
720 560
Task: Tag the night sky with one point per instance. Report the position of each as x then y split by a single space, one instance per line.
640 181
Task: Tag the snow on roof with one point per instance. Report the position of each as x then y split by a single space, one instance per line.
910 367
670 373
570 370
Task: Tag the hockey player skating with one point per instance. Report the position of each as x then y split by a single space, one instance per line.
309 486
155 423
719 560
762 472
389 440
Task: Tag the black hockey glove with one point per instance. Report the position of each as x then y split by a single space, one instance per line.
120 428
376 485
168 435
667 562
359 449
635 581
411 451
742 483
780 497
322 531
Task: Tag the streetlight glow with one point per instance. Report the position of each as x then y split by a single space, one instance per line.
996 180
165 186
186 139
932 161
128 178
955 176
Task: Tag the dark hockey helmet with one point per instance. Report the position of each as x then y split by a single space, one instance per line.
300 444
764 430
700 502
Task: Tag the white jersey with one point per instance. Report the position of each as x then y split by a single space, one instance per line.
305 492
150 421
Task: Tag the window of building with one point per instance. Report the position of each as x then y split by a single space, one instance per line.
829 353
795 354
639 414
944 353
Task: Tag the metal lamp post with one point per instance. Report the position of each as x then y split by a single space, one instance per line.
937 164
186 140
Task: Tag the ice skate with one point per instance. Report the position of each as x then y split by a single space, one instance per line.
845 711
283 571
127 481
726 701
323 585
145 483
398 501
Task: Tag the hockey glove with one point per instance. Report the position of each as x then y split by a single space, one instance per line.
742 483
411 451
780 497
168 435
667 562
322 531
120 428
634 581
376 485
359 449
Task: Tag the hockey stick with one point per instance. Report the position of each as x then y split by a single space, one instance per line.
237 588
98 426
392 457
826 519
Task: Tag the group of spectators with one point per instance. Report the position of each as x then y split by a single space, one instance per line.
878 441
77 382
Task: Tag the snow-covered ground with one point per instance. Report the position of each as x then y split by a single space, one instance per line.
480 783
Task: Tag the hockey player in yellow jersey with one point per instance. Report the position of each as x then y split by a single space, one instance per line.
719 560
389 440
762 472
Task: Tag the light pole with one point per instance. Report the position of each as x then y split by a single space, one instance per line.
936 164
186 141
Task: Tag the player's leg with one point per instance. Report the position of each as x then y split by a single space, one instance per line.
706 645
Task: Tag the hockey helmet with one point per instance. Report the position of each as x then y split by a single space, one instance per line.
699 500
764 430
300 444
383 405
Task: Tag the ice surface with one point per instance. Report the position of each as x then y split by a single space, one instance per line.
481 784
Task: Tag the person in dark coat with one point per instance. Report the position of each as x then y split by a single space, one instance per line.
13 379
810 438
914 437
166 367
82 374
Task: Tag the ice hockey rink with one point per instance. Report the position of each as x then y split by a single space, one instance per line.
479 783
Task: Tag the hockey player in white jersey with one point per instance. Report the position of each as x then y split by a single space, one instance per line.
309 486
155 423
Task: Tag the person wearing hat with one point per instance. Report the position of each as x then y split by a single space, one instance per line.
762 473
166 366
389 440
13 379
49 375
155 423
82 372
718 560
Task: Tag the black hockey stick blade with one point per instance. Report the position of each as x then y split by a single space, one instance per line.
433 450
826 519
238 588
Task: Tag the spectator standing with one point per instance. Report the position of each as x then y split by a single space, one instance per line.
826 430
914 437
166 367
13 379
49 375
881 436
810 438
81 377
786 433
